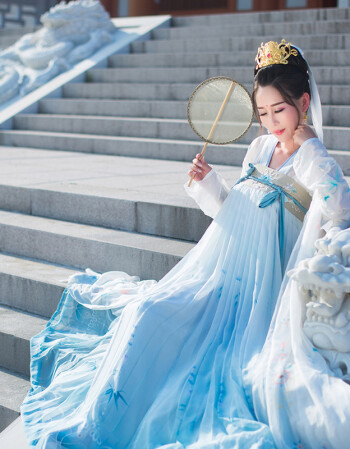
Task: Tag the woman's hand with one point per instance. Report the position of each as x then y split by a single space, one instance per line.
199 168
302 134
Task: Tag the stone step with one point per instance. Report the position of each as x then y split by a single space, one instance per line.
254 29
123 193
83 246
14 388
13 437
332 95
114 108
249 43
323 75
337 138
154 128
124 146
333 115
16 330
280 16
31 285
220 58
231 154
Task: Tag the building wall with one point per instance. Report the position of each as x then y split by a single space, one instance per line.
187 7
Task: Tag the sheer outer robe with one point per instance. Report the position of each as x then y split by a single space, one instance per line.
165 371
292 389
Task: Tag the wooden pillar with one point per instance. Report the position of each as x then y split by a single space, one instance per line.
111 6
267 5
143 8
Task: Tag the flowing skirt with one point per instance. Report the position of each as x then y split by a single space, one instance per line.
143 364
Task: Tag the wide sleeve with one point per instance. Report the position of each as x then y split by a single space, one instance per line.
323 177
210 193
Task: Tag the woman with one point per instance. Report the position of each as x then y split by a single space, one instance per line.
185 362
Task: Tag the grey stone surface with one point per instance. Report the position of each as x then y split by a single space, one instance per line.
333 115
16 329
14 437
323 75
160 128
154 148
13 389
82 246
228 43
249 29
114 192
121 108
30 285
263 17
223 58
331 94
123 146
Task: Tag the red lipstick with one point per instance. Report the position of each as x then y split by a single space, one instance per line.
279 132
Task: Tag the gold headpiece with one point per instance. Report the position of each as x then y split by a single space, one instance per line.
274 53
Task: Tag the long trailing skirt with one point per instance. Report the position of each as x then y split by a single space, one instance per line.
128 364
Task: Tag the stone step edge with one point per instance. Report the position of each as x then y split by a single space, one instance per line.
148 102
16 387
50 226
35 285
123 210
259 38
16 330
243 53
86 246
140 49
279 14
189 85
144 119
196 27
133 139
13 436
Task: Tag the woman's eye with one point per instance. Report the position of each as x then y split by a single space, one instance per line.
262 114
280 110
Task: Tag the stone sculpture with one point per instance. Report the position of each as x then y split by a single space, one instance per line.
324 287
71 32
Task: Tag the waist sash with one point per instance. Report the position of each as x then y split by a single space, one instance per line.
291 195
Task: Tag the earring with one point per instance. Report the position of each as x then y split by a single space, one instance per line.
305 118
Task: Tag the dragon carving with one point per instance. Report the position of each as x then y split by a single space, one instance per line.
71 32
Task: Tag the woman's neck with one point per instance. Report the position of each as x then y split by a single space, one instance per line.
288 147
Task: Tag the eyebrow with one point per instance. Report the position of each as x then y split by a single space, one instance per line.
275 104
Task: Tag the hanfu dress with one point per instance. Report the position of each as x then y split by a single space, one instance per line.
173 364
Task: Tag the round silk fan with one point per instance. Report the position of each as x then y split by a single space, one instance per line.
220 111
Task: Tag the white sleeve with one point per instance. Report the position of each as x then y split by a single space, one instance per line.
210 193
323 177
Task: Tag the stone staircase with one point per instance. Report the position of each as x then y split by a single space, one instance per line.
95 178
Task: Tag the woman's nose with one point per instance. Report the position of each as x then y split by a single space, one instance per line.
274 119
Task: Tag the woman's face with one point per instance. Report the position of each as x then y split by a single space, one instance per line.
278 117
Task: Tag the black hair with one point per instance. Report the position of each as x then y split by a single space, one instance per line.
291 80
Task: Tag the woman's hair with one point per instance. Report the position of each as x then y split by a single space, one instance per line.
291 80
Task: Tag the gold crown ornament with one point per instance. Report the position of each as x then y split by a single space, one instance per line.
274 53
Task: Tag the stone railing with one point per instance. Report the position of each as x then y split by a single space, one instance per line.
19 13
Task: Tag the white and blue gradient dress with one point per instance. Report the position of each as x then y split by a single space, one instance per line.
181 363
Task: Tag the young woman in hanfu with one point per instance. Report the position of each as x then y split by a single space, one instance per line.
203 358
